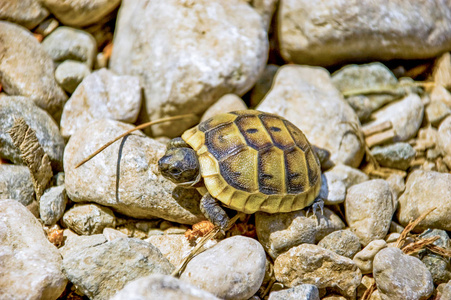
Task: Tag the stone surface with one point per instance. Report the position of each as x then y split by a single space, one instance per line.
162 287
438 265
102 95
112 234
28 13
74 243
227 103
446 292
101 270
364 259
435 112
173 246
440 94
16 184
41 122
263 84
52 204
233 269
333 190
326 223
70 73
227 44
306 97
86 219
425 190
369 210
397 155
22 54
299 292
31 265
444 137
332 32
350 176
312 264
79 13
441 73
143 191
342 242
399 276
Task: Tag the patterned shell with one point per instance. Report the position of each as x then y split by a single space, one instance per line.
254 161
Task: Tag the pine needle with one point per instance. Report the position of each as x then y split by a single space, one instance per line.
419 245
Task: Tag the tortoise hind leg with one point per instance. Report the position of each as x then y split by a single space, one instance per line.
213 211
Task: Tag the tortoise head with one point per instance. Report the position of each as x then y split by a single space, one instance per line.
180 165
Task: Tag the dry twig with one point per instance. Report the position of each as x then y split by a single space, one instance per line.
369 291
410 227
419 245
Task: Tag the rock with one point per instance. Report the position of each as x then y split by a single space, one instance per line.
333 190
307 97
265 8
47 27
438 265
101 270
79 13
405 115
16 184
233 269
425 190
70 73
227 51
299 292
22 54
41 122
112 234
333 33
312 264
143 192
86 219
174 246
397 186
400 276
52 204
441 95
227 103
31 265
74 243
102 95
396 156
263 84
446 292
369 210
436 112
327 223
364 259
444 137
69 43
28 13
350 176
342 242
441 74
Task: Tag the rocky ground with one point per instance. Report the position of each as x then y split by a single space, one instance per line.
367 80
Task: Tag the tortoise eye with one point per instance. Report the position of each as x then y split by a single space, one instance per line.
174 170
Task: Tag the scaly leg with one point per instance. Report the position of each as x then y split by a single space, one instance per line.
214 212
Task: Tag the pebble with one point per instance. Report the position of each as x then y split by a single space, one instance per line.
159 286
444 137
52 204
233 269
441 95
28 13
326 223
435 112
369 210
308 263
263 84
342 242
47 27
396 156
227 103
438 265
364 259
70 73
24 55
16 184
41 122
306 97
101 270
112 234
441 74
400 276
350 176
446 292
31 265
102 95
333 190
397 185
425 190
299 292
309 40
74 243
228 49
86 219
174 247
80 13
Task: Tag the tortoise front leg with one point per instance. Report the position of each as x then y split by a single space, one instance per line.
213 211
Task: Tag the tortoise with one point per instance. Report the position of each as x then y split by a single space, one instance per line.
248 160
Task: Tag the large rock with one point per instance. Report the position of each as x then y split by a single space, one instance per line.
188 54
306 97
16 184
331 32
22 54
30 265
143 191
28 13
86 219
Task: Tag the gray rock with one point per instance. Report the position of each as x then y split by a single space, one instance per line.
79 13
227 103
263 84
40 121
400 276
299 292
307 97
440 94
425 190
233 269
27 13
446 292
369 210
102 95
397 186
143 192
52 204
74 243
326 223
70 73
22 54
69 43
333 33
333 190
444 137
397 156
364 259
439 266
342 242
350 176
16 184
31 265
312 264
112 234
86 219
227 51
436 112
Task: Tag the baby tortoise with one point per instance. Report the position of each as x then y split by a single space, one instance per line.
248 160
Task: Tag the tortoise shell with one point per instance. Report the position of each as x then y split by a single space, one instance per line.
255 161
